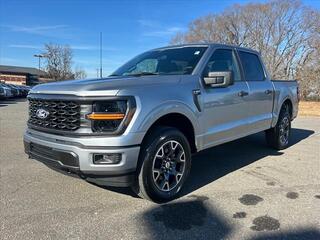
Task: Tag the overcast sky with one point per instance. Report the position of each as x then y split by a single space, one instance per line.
128 27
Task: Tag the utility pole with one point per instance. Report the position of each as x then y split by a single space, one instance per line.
100 54
39 56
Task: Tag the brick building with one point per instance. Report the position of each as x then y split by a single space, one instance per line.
22 75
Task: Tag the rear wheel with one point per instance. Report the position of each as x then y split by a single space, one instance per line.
164 165
278 137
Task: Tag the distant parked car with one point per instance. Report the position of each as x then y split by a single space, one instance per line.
25 90
2 92
5 91
16 91
21 90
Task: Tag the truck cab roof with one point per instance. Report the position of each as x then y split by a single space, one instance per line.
208 45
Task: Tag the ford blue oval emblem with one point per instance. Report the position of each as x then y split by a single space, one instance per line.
42 113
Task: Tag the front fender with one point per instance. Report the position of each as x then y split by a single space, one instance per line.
168 107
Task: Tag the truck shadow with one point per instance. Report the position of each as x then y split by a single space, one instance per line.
214 163
192 218
196 218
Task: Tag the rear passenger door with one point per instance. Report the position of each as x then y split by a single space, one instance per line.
260 98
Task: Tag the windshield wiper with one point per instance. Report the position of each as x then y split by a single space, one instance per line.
142 74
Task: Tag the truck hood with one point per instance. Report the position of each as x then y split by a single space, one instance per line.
102 87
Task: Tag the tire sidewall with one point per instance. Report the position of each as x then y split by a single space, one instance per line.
284 113
146 171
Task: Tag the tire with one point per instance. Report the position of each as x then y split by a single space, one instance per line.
164 165
279 136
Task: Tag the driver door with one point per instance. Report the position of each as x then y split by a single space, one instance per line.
224 115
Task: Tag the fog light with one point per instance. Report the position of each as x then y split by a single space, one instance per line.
106 158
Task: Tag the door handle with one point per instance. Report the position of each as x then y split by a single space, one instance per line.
268 91
243 93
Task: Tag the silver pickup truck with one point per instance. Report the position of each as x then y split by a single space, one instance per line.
140 126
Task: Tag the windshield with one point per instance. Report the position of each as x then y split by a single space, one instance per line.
170 61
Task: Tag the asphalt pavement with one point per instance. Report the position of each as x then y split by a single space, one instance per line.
239 190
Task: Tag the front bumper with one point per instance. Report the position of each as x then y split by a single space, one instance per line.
75 158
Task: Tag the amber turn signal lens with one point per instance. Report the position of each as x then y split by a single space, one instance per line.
105 116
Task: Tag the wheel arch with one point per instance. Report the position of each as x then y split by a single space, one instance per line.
177 120
279 104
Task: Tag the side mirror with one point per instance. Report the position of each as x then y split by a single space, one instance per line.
219 79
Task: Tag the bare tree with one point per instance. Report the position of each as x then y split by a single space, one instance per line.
79 73
308 72
59 63
283 31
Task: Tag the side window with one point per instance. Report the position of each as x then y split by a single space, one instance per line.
223 60
252 67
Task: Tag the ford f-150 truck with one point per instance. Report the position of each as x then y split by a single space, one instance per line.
140 126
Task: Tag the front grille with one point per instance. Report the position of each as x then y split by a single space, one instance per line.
63 115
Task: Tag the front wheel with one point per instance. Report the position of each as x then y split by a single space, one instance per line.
165 162
278 137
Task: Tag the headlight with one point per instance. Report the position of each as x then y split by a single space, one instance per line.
112 116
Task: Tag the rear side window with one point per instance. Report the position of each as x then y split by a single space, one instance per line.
252 67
